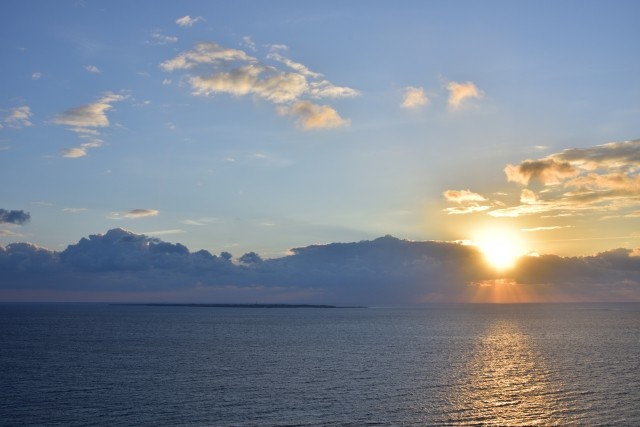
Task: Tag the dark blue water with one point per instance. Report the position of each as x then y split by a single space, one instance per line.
558 364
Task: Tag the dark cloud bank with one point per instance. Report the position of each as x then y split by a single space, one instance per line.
124 266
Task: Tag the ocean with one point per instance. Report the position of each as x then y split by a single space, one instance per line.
458 364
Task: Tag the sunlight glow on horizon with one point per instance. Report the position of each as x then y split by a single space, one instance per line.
500 246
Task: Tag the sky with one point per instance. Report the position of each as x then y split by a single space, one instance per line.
511 128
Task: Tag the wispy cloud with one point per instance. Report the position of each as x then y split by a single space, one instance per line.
458 92
92 69
215 69
550 228
19 117
134 214
187 21
160 39
414 97
36 76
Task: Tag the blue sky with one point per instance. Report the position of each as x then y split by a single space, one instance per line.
263 126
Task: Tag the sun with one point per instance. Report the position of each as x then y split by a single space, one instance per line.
501 247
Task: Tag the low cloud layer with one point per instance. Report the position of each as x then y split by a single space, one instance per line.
211 69
124 266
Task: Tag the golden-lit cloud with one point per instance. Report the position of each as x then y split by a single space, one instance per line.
546 171
529 197
276 87
468 202
460 196
414 97
602 180
311 116
458 92
287 83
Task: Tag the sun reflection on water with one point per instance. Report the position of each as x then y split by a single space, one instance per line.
506 383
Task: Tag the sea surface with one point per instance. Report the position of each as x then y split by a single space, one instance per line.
530 364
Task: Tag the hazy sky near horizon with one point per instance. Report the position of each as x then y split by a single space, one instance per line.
263 126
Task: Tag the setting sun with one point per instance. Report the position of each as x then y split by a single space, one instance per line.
501 247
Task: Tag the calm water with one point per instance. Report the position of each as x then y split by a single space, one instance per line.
441 365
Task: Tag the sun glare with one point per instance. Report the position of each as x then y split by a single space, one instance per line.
501 247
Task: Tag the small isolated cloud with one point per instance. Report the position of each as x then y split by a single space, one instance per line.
312 116
92 69
17 217
414 97
74 210
160 39
81 151
215 69
134 214
36 76
166 82
18 117
187 21
458 92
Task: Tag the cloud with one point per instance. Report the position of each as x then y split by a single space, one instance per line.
458 92
414 97
384 271
161 39
18 217
252 79
554 227
36 76
85 119
205 53
546 171
134 214
248 43
468 201
312 116
18 117
214 69
600 179
187 21
91 115
92 69
461 196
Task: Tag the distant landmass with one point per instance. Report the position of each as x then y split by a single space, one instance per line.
241 305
